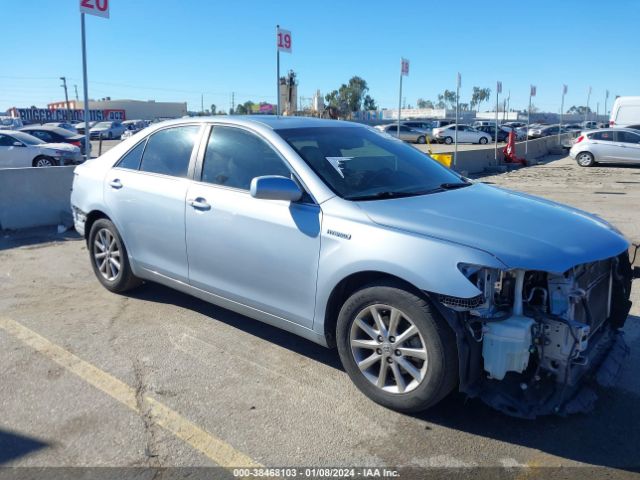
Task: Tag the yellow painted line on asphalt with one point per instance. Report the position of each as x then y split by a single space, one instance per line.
216 449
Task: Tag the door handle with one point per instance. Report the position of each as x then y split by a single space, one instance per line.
115 183
199 203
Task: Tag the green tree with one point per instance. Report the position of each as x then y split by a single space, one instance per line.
422 103
449 97
579 110
213 109
478 96
369 103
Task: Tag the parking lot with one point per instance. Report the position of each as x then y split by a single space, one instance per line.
157 378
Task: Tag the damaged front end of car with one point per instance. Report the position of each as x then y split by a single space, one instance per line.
534 342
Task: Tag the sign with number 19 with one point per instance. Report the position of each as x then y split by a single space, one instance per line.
284 40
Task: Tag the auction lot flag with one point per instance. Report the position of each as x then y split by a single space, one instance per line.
533 91
404 67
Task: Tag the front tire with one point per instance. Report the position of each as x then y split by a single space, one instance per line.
396 347
585 159
109 258
44 161
421 140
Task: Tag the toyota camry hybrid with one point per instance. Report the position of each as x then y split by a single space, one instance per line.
425 281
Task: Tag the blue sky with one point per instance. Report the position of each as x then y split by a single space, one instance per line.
176 50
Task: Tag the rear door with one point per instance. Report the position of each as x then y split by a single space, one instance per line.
256 252
146 194
12 156
603 147
629 146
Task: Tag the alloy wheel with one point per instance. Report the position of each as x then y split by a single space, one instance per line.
106 254
388 349
44 162
584 159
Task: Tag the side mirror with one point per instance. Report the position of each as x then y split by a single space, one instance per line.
275 187
18 144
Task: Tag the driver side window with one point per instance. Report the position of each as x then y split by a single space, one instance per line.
235 156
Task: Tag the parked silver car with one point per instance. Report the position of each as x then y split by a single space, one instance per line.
425 281
21 150
107 130
466 134
407 134
608 145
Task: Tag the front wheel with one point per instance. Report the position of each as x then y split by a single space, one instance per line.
421 140
109 257
396 348
44 162
585 159
483 141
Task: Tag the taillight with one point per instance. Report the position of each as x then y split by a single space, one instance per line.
579 139
611 123
77 144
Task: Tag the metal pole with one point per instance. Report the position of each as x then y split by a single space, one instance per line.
87 143
66 98
400 101
526 142
561 111
455 151
277 71
606 97
586 110
495 155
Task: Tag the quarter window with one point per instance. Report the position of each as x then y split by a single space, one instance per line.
168 151
234 157
132 159
602 136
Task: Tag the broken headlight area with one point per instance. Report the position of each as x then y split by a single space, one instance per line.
534 340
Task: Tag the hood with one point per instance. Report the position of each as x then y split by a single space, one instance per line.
60 146
520 230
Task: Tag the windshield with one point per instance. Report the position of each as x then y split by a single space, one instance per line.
103 125
362 164
26 139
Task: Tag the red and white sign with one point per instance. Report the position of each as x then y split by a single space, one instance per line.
99 8
404 67
283 40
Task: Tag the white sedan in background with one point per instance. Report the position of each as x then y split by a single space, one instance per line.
19 150
466 134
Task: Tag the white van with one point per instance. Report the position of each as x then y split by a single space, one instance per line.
625 112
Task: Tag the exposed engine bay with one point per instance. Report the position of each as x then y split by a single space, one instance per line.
533 340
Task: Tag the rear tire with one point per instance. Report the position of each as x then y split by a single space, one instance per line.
400 368
448 140
585 159
109 258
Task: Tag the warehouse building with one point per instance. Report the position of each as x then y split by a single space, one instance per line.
134 109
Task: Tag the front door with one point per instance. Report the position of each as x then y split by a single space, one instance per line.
146 194
260 253
628 146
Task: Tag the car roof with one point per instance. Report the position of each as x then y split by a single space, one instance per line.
270 121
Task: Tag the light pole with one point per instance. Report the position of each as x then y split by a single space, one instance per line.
66 97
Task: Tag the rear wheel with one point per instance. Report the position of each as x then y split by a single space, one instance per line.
109 258
448 140
585 159
44 161
396 348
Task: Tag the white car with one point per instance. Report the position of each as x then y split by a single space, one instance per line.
20 150
466 134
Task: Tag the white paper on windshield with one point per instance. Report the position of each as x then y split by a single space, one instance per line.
338 163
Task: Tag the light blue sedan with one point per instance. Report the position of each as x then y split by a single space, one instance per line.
425 281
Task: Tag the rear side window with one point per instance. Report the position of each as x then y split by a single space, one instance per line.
602 136
132 159
168 151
